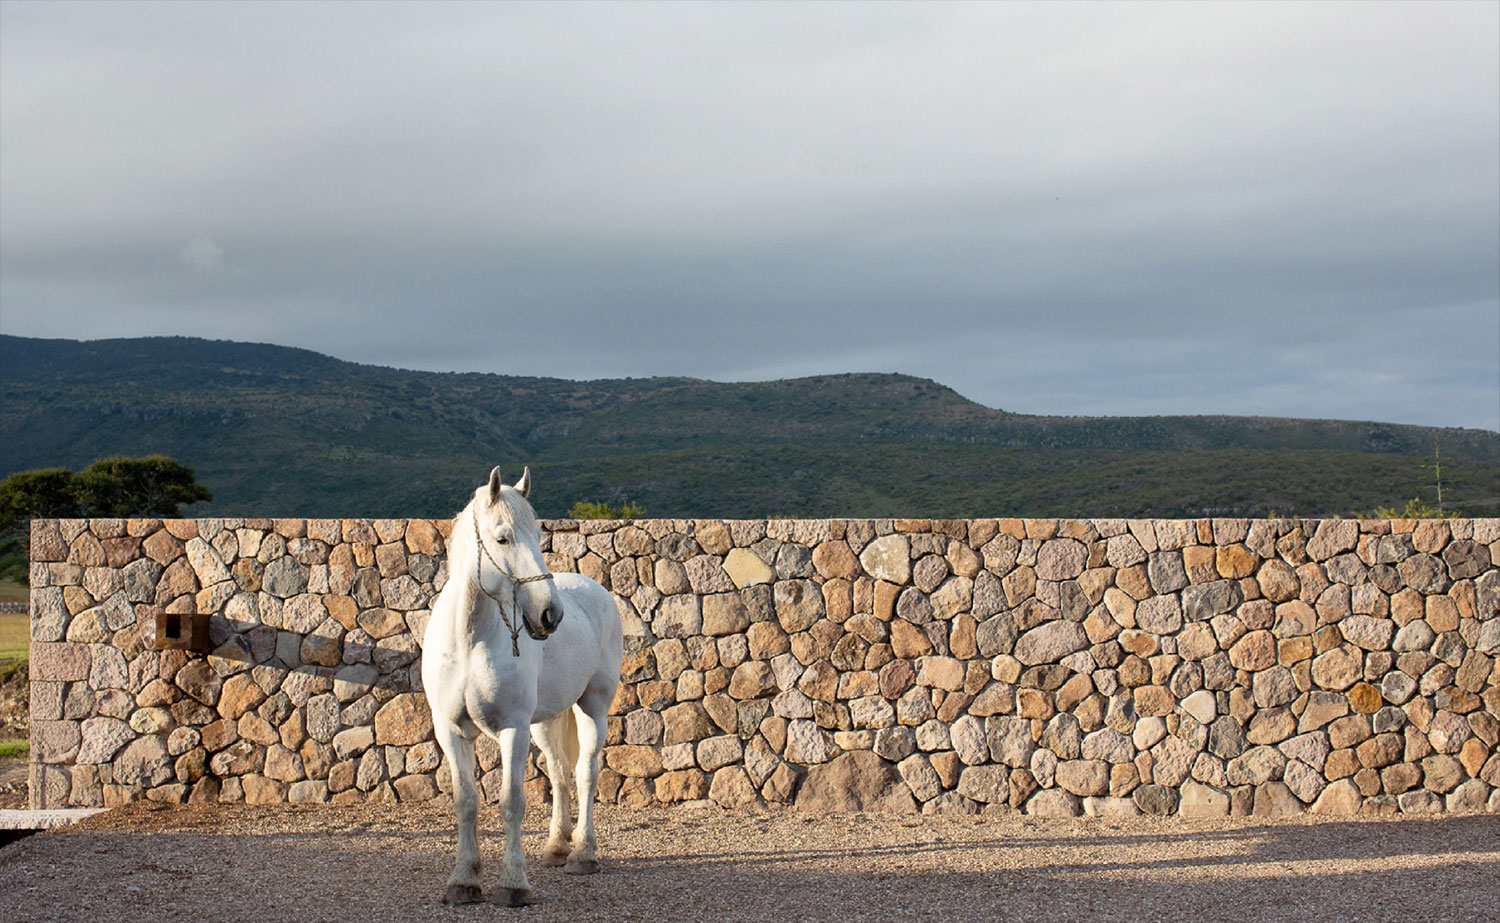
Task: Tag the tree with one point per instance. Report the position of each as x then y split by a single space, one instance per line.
151 486
112 488
44 493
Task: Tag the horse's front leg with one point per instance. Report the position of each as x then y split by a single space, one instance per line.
515 745
463 884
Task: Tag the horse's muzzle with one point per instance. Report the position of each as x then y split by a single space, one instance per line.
550 618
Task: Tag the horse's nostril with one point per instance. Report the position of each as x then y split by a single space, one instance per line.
547 622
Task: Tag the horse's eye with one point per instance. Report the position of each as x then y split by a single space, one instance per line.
501 540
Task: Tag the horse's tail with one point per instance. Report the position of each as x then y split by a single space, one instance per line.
569 733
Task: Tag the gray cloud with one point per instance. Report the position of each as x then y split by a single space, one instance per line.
1288 209
202 255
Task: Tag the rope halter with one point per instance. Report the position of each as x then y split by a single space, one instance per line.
511 619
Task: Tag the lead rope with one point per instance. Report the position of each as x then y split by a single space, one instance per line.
515 582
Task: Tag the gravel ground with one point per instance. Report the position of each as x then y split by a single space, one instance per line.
229 863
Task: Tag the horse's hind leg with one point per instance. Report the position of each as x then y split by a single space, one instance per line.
463 884
558 742
592 714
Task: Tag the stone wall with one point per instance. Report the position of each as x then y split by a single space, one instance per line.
1054 667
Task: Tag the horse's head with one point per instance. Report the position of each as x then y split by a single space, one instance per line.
510 561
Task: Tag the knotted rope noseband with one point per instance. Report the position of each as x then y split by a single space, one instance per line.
512 623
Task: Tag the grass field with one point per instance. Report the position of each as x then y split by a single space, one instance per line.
13 592
15 639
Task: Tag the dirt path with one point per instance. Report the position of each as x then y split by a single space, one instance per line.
701 863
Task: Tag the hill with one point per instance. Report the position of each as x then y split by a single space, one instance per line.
280 431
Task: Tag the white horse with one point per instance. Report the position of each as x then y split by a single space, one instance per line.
482 672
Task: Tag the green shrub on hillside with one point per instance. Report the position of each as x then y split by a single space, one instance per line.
584 509
1416 508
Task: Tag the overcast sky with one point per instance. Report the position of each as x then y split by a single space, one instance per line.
1287 209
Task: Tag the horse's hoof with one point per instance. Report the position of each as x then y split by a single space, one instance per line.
463 894
513 897
581 867
554 859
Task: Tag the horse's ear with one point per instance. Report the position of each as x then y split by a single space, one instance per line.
524 484
494 483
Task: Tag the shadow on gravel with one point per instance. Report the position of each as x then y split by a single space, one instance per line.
1330 840
669 866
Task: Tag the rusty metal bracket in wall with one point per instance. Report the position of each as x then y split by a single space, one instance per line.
186 631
